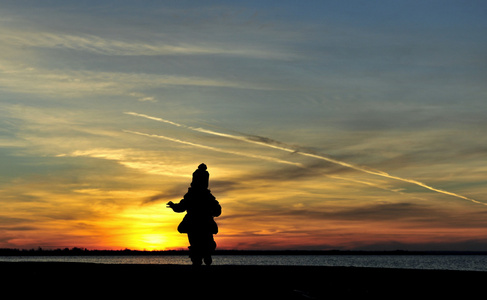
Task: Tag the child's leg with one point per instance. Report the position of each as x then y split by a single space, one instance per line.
195 248
210 246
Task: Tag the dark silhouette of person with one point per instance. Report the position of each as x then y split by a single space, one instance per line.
201 207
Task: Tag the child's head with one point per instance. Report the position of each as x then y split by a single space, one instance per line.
200 177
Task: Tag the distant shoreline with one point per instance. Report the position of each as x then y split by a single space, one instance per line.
129 252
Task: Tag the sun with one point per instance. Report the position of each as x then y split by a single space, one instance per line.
149 241
155 241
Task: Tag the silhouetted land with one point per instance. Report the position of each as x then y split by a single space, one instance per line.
87 252
112 281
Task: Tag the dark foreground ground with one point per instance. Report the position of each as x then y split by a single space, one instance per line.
100 281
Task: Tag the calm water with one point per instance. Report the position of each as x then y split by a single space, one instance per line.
438 262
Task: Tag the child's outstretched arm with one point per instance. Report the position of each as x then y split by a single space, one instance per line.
176 207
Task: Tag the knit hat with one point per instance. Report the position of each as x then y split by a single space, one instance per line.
200 177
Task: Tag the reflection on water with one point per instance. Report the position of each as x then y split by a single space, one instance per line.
439 262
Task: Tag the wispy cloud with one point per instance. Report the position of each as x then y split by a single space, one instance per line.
267 142
130 158
262 157
19 77
108 46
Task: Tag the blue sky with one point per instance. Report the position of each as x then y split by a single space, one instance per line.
322 122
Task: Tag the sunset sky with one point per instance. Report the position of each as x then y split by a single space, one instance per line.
324 124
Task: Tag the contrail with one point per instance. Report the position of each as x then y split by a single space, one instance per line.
154 118
262 141
268 158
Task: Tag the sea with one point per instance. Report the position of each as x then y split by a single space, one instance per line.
431 262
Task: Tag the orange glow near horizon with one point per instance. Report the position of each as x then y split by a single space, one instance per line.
281 223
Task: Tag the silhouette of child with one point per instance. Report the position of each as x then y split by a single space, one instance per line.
200 206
